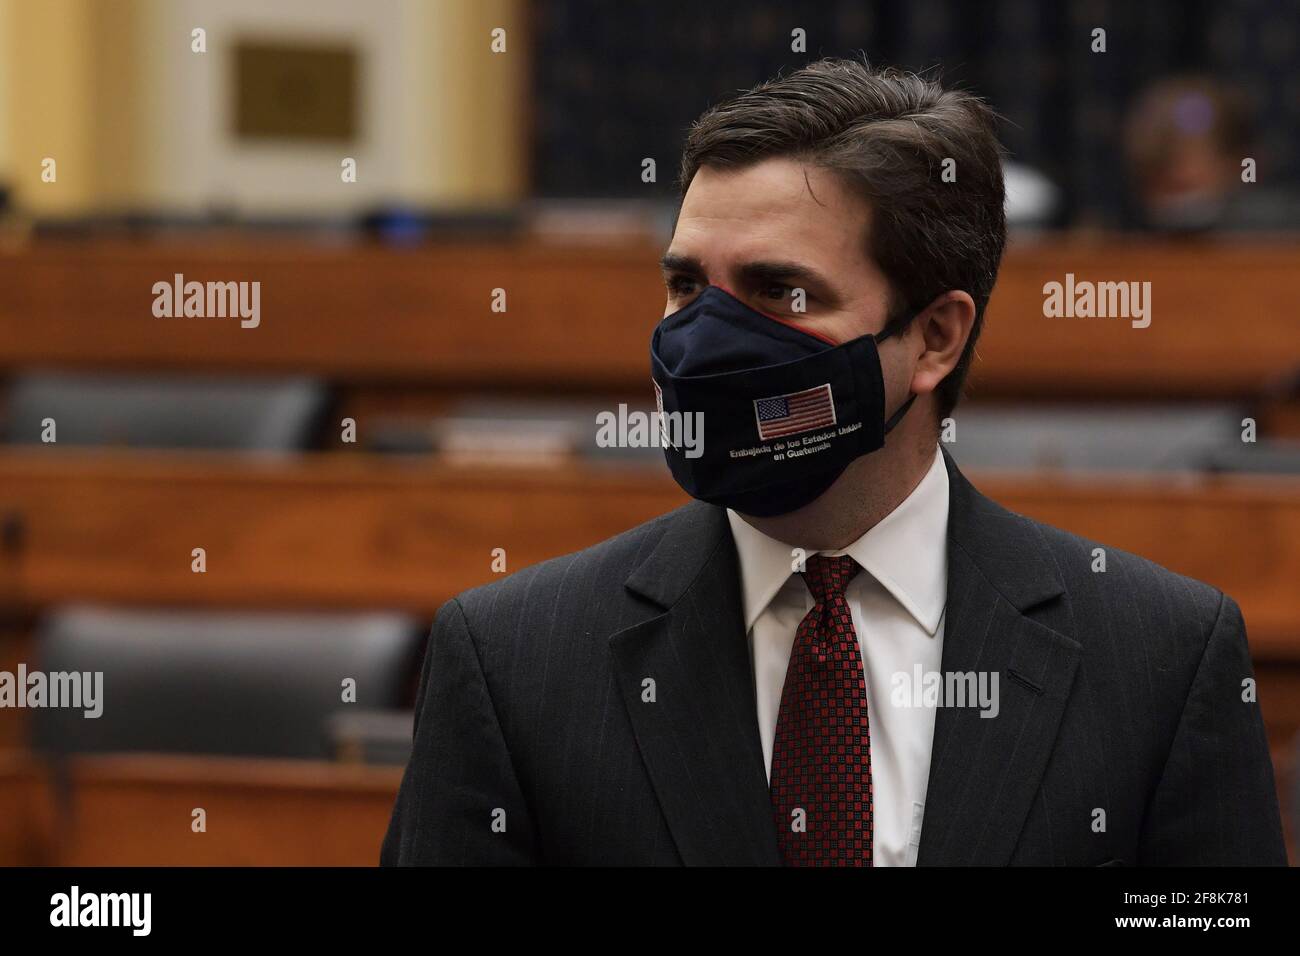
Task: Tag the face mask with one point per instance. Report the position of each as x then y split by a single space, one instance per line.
784 410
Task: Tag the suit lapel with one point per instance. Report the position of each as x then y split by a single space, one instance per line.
696 725
985 771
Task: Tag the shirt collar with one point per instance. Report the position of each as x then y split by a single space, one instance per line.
907 552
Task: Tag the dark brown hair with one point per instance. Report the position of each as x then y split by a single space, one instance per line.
887 133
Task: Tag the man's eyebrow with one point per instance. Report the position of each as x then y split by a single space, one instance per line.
751 272
756 272
672 262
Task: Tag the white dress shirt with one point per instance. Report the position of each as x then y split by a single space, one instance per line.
897 600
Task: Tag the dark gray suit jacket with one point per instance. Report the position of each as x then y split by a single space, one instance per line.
1120 692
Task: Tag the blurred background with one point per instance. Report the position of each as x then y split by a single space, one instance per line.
453 210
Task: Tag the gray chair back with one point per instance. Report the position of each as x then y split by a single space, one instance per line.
239 684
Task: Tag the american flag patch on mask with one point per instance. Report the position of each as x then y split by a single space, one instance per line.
783 415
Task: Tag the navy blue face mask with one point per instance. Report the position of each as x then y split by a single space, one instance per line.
784 411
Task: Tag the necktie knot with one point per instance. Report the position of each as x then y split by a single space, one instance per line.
828 576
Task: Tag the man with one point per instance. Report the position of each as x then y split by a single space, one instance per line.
750 679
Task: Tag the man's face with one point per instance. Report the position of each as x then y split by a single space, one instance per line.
763 231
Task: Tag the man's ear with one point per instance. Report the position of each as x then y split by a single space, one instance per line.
942 329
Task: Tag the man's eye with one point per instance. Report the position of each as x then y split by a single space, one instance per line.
776 292
680 285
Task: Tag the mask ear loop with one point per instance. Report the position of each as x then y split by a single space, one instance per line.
895 418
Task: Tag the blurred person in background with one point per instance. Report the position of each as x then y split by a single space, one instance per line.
1188 144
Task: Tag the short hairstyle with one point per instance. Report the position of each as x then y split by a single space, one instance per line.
888 133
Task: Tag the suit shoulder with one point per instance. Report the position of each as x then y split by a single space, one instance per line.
606 563
1116 573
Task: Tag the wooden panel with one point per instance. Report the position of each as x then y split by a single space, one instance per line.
26 811
580 317
1222 322
1279 699
326 530
137 811
583 317
354 531
17 645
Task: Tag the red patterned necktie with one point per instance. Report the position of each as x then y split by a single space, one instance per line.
821 757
